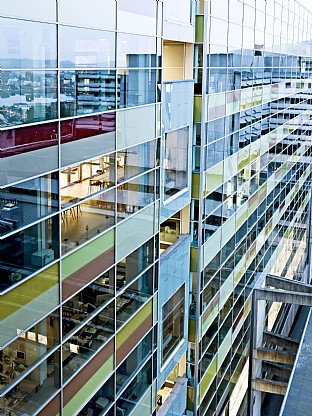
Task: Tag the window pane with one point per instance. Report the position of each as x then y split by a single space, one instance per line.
29 391
181 13
82 128
41 291
85 179
136 51
136 194
29 348
133 361
86 48
139 132
96 135
88 219
24 252
137 16
88 339
218 32
86 92
134 264
134 392
135 160
27 202
22 166
134 297
96 13
27 139
137 87
27 44
91 298
28 97
172 323
140 226
175 162
101 400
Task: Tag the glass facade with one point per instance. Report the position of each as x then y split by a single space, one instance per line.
173 323
79 283
154 162
252 144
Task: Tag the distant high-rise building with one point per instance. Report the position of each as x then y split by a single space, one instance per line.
155 162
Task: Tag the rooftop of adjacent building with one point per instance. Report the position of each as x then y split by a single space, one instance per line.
297 400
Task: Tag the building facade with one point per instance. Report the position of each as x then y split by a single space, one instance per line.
251 184
155 160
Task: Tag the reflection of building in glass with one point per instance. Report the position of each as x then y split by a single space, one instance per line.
86 92
27 97
155 166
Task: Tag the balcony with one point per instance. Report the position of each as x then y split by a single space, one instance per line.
174 267
177 105
172 400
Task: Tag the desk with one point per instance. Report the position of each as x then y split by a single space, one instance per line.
67 201
89 330
19 395
4 380
6 226
28 386
99 180
85 344
9 206
72 211
102 402
50 369
78 317
77 340
101 338
11 214
88 334
120 380
19 367
121 302
42 257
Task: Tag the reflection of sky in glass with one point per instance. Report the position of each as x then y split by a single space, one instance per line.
30 9
135 45
306 3
182 13
251 28
86 47
27 44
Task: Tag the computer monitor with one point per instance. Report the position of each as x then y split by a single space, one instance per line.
74 348
20 355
